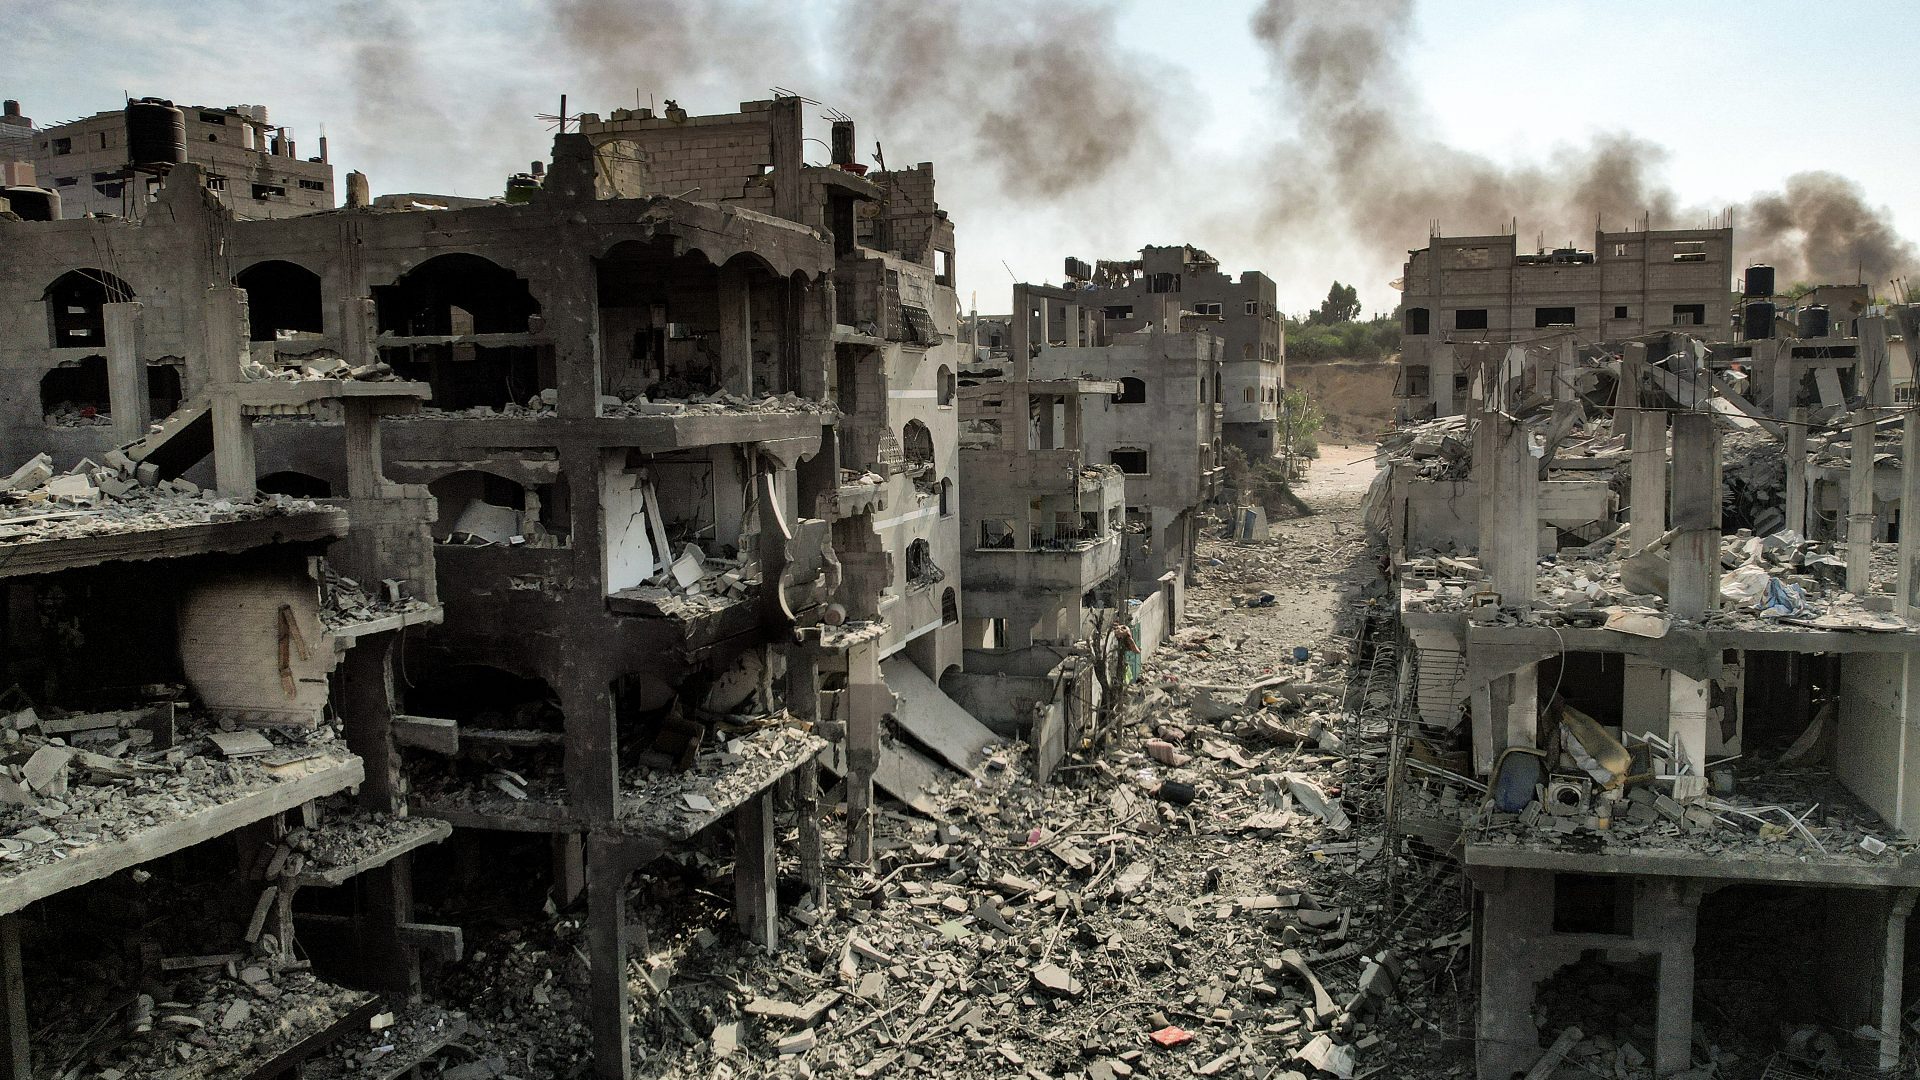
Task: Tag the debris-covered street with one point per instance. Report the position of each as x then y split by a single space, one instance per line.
1203 897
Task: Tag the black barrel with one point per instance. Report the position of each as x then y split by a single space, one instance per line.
1815 321
156 134
1759 280
1756 320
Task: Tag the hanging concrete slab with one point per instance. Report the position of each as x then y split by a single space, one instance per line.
926 713
904 773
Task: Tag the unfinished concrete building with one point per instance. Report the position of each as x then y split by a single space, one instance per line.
1131 295
1161 428
102 164
677 478
1664 744
1460 291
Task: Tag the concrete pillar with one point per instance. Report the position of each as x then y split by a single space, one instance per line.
1797 469
1507 1042
608 867
736 331
1648 514
1687 701
233 467
1523 707
1694 558
1626 396
1644 697
755 871
1440 380
1875 376
126 375
1905 600
1893 969
1508 479
1677 923
1860 519
569 868
868 700
1565 370
16 1058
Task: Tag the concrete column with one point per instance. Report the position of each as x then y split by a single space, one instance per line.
755 871
1875 376
1523 707
1648 514
1687 720
1507 1043
1693 573
126 382
1905 601
1644 697
736 331
234 474
1626 396
1509 509
868 699
1797 469
16 1058
1440 380
608 868
1564 370
1860 519
1678 924
1893 969
569 868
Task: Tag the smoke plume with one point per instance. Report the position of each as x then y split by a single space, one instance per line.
1362 156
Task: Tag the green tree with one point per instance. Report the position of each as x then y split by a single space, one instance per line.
1342 305
1300 420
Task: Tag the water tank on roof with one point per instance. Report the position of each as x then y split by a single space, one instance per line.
1756 320
32 203
1815 321
156 135
1759 280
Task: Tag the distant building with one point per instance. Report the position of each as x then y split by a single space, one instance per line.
249 165
1243 313
1467 289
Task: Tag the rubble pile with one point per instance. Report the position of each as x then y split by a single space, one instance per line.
313 368
1194 899
713 404
344 603
71 780
119 496
72 414
1779 579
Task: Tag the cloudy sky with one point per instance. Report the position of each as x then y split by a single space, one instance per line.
1308 139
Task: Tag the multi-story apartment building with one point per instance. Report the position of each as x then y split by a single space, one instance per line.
679 477
1128 295
1462 290
251 166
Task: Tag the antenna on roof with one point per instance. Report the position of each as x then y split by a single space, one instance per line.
561 121
1009 270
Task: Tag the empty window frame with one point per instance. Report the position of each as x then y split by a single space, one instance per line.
1470 319
314 185
1417 321
1689 314
1689 251
1252 307
1131 462
1132 392
1119 311
1620 311
1206 309
1552 316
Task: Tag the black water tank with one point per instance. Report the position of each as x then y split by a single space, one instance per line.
1759 281
156 134
1756 320
1814 321
32 204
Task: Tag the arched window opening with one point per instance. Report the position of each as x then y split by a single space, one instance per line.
1132 392
949 608
299 485
946 497
946 383
916 453
75 394
76 305
283 300
511 731
461 296
921 571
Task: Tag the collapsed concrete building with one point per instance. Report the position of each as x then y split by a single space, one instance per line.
1460 291
633 490
1653 700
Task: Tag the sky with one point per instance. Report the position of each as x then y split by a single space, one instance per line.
1309 140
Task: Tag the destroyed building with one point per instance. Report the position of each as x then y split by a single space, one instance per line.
649 497
101 164
1123 296
1161 428
1462 290
1653 698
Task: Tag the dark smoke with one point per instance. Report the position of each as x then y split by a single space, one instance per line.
1042 95
1364 158
1820 229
